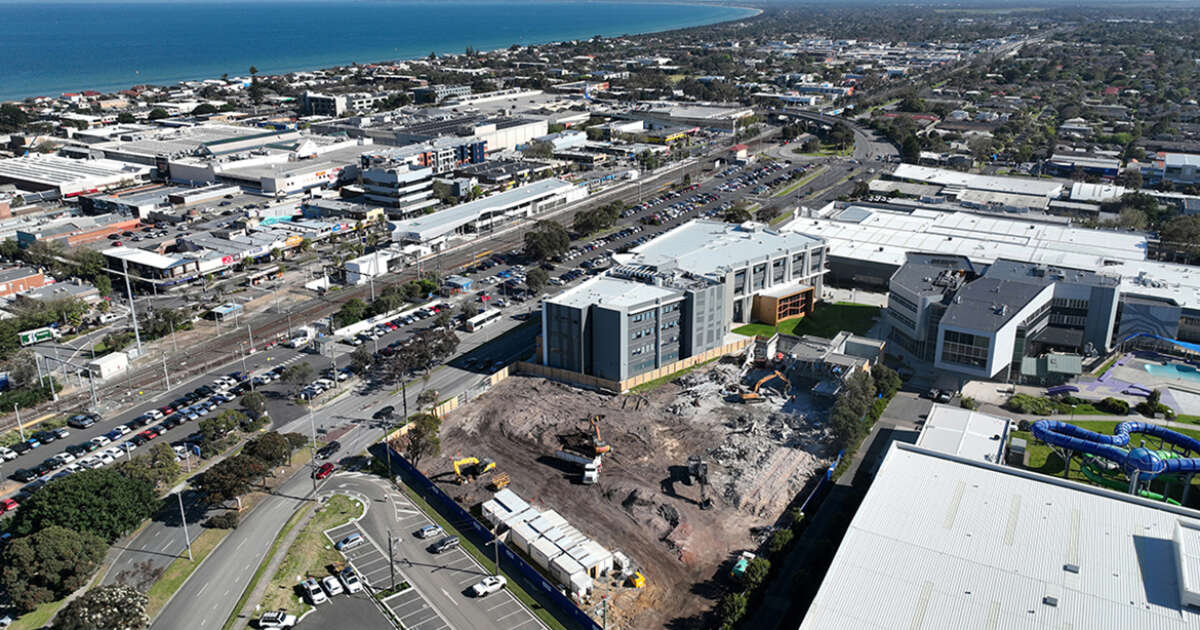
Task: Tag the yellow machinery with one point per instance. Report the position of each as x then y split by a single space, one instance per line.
468 468
500 481
637 580
753 396
601 447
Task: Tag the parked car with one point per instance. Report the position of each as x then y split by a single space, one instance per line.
429 531
62 434
488 585
350 580
312 590
8 505
329 450
80 421
448 543
7 454
350 542
332 586
384 413
276 620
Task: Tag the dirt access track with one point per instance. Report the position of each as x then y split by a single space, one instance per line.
759 458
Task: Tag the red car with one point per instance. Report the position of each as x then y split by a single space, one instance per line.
324 471
149 434
8 505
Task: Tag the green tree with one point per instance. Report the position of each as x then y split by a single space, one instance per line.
272 449
427 398
299 373
12 118
109 607
422 436
103 285
547 239
468 309
102 501
204 109
887 381
848 418
215 429
126 118
158 113
360 360
48 564
731 609
354 310
157 467
737 213
255 402
229 478
759 568
536 280
538 150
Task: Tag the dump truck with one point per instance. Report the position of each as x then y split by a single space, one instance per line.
591 466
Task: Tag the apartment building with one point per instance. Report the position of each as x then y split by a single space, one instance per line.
406 190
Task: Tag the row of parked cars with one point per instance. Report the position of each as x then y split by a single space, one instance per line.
384 328
106 449
750 177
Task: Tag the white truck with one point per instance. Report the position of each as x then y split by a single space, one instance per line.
302 337
591 466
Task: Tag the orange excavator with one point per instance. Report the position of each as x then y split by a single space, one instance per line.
753 396
598 444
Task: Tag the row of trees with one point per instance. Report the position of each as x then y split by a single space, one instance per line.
858 405
236 475
546 240
596 219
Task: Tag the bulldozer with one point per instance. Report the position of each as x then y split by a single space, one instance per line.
500 481
470 468
753 396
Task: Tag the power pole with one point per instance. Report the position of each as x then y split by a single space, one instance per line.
313 427
166 378
20 428
391 559
132 311
183 519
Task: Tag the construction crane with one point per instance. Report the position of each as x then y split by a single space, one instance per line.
698 470
753 396
469 468
598 444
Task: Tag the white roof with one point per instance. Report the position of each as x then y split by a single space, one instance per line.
705 247
965 433
885 237
1083 191
945 542
613 293
141 257
52 170
945 177
432 226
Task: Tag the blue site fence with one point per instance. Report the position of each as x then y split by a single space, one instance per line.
546 593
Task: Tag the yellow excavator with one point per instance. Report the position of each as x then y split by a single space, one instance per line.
469 468
753 396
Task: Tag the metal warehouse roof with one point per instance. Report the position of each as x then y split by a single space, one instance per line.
443 222
705 247
947 542
945 177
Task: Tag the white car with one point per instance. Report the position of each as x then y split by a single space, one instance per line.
65 457
313 591
7 454
351 581
332 586
100 441
128 446
74 468
276 620
488 585
91 462
105 459
155 414
125 430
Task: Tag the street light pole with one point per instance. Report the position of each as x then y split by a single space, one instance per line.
312 424
166 378
391 559
183 519
20 428
132 311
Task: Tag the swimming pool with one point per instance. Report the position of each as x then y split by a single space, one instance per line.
1172 370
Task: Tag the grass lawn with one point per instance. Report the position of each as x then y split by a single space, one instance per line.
826 150
1043 459
179 570
1107 364
484 560
808 177
826 321
309 555
1183 417
262 567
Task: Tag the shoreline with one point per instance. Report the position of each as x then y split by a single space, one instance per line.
290 68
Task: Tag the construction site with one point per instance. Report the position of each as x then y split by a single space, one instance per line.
680 479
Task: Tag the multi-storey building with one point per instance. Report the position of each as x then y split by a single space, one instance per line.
406 190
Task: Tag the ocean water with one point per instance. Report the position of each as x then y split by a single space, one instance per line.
48 48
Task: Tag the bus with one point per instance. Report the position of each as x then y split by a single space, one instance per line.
274 272
483 319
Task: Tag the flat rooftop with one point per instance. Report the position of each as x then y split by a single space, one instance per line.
55 171
613 293
443 222
707 247
942 542
989 303
945 177
965 433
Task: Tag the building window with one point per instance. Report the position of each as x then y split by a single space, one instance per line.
778 271
965 349
760 276
901 301
902 318
739 283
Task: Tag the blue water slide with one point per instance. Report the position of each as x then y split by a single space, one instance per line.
1143 461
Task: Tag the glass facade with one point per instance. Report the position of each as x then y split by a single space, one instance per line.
965 349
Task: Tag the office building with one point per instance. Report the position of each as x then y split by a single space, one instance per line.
14 280
940 310
948 542
631 322
335 105
438 93
768 275
406 190
1180 169
440 154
